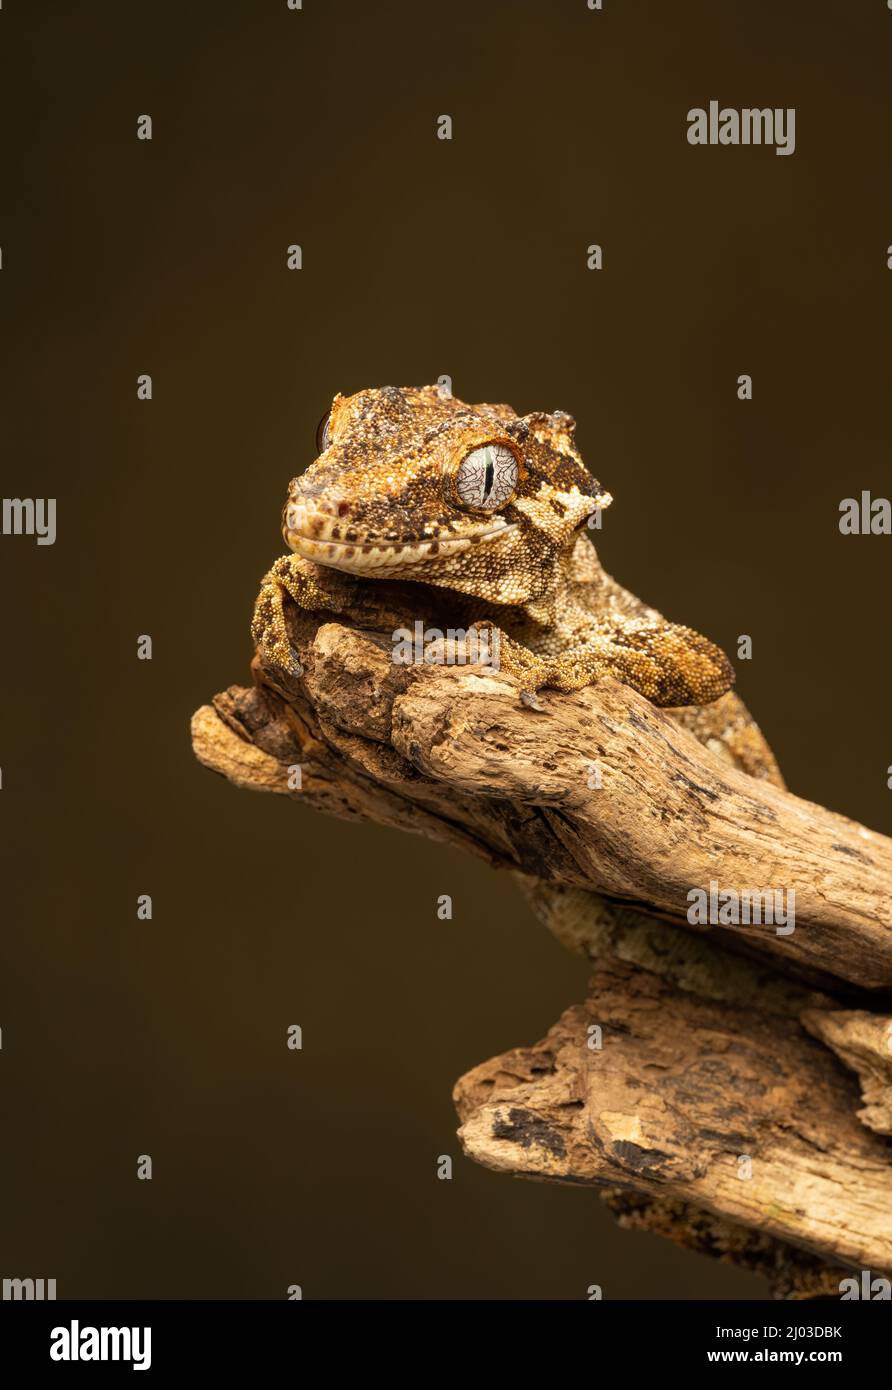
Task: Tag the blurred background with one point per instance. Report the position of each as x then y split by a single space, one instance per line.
420 257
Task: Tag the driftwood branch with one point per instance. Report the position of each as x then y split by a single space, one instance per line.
714 1110
696 1087
456 754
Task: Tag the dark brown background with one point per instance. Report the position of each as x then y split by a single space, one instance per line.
420 257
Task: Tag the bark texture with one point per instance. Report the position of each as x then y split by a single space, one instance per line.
864 1042
720 1106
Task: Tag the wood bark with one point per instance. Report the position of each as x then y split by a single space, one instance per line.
721 1108
864 1042
696 1087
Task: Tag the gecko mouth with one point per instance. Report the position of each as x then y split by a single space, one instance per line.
360 557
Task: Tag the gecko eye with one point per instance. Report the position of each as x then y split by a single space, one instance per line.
323 438
486 477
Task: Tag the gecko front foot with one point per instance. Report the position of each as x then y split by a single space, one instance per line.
310 587
669 665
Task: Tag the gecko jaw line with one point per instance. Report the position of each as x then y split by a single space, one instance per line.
361 556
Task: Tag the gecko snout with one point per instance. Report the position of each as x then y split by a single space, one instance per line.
315 518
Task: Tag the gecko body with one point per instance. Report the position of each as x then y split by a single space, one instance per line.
494 511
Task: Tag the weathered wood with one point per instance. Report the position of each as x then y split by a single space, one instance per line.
709 1053
456 754
722 1108
864 1042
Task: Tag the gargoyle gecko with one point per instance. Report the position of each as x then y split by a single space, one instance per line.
411 484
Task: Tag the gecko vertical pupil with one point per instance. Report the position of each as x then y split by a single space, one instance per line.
488 480
486 477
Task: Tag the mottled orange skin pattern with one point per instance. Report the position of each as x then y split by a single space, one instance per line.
380 502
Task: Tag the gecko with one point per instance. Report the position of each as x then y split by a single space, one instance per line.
496 510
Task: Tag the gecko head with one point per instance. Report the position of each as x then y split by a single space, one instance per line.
413 484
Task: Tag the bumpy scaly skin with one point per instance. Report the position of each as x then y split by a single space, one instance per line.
380 502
